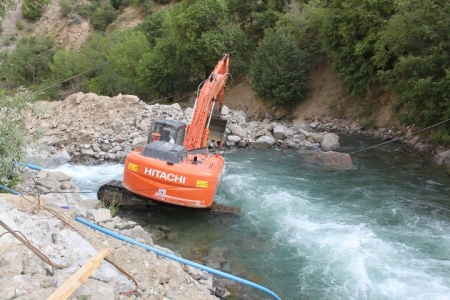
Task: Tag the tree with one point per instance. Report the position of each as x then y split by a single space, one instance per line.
70 64
12 131
153 26
349 33
193 36
254 17
413 50
113 61
33 9
279 69
104 15
28 63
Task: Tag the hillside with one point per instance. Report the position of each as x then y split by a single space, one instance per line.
326 101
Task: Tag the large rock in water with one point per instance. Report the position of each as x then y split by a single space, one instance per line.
333 160
329 142
443 158
264 142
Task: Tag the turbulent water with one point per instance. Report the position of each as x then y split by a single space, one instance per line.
378 231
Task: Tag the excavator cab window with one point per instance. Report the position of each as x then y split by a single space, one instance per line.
167 131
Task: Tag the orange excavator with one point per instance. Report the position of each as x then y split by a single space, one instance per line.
180 164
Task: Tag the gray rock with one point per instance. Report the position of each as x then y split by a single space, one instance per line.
60 176
138 142
237 130
442 158
329 142
233 138
88 152
115 149
333 160
49 183
130 99
279 132
264 142
99 215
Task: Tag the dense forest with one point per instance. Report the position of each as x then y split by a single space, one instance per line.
400 46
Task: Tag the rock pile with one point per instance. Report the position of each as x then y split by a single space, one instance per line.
47 222
88 128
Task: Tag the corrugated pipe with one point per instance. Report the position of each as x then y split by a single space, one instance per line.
9 190
179 259
34 167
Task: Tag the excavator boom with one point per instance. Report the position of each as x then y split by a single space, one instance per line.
211 95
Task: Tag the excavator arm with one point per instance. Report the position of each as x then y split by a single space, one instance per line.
210 95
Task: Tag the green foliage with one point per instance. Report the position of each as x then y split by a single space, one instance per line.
113 206
144 5
8 39
414 46
254 17
162 73
87 9
19 26
187 42
69 64
153 27
114 61
28 63
279 69
66 7
4 5
33 9
348 36
104 15
304 21
13 131
116 3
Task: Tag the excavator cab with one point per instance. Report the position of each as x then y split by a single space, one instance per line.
167 131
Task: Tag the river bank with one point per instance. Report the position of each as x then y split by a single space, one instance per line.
48 223
93 129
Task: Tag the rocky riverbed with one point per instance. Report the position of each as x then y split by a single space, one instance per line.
88 128
44 215
92 129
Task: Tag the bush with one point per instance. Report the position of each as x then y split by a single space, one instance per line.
279 69
87 10
28 63
103 16
20 26
116 3
33 9
67 7
12 131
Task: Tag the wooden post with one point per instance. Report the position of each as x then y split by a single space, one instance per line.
80 276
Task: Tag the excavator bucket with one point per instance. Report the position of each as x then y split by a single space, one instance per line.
216 130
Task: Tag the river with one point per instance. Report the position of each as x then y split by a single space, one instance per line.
378 231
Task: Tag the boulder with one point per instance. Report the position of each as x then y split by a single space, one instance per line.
138 142
130 99
332 160
279 132
237 130
443 158
264 142
329 142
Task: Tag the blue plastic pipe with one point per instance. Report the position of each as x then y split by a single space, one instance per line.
9 190
179 259
34 167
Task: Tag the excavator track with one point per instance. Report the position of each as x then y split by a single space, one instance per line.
114 192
